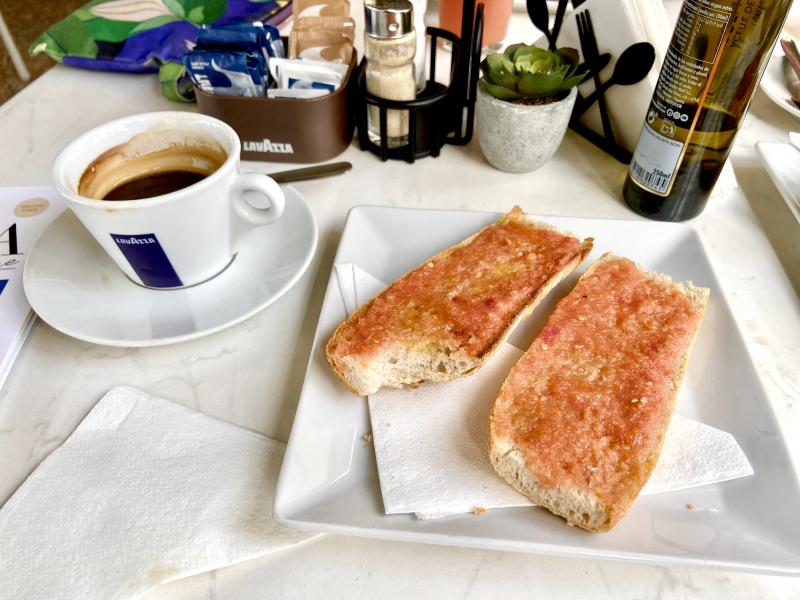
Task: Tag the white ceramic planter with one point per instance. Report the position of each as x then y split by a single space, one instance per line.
519 138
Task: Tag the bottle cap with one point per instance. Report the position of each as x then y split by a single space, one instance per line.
388 18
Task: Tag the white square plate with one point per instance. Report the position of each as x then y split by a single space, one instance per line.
329 481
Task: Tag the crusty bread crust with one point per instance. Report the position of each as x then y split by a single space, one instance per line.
579 507
458 363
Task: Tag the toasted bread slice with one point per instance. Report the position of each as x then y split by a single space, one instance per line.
580 420
445 318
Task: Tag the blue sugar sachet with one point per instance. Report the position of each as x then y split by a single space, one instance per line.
267 37
227 38
275 41
226 72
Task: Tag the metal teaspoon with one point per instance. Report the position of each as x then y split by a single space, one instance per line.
314 172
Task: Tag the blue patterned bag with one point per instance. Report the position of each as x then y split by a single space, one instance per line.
140 36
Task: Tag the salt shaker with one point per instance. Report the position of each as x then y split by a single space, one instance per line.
389 45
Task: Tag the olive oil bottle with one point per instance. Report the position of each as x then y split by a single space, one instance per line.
717 55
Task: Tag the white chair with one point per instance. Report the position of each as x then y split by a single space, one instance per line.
8 41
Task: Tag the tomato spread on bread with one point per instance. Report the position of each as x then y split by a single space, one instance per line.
468 295
443 319
589 403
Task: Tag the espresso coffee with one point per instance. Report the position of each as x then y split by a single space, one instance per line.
154 185
158 161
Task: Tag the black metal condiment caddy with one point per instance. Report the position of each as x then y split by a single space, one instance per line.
439 114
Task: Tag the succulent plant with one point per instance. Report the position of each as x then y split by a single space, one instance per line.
525 73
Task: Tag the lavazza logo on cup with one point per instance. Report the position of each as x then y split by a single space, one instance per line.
147 258
180 236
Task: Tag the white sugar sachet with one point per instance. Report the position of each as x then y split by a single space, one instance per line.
430 442
143 492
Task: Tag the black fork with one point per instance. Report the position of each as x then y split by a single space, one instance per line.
591 54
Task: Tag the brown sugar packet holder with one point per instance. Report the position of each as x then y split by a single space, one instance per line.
288 129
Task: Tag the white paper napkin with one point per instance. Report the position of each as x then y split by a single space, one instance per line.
430 445
143 492
430 442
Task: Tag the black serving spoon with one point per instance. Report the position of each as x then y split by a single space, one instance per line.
537 11
540 16
632 66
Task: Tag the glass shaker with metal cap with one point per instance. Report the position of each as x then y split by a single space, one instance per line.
389 45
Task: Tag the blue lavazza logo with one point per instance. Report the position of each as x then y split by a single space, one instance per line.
148 260
132 241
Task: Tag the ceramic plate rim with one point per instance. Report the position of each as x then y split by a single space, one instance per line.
791 199
154 342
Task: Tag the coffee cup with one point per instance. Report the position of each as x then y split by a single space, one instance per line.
187 222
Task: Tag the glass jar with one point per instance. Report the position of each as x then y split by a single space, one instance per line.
496 18
389 45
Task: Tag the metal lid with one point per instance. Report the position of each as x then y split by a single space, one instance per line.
388 18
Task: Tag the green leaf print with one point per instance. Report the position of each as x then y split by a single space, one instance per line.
196 15
176 7
104 30
71 36
152 24
212 10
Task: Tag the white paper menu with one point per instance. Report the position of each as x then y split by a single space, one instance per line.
25 212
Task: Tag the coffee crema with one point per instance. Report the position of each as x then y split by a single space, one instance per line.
157 161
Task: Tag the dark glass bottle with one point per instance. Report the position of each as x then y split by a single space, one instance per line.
711 69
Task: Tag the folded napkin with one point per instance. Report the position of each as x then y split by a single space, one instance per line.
143 492
430 442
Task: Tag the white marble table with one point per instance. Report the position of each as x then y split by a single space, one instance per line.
251 374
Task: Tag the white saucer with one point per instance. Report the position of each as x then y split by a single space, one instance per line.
76 288
779 73
774 82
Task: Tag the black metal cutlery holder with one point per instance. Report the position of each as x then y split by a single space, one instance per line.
440 114
537 10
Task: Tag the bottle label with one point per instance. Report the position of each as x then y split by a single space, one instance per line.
656 160
689 66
